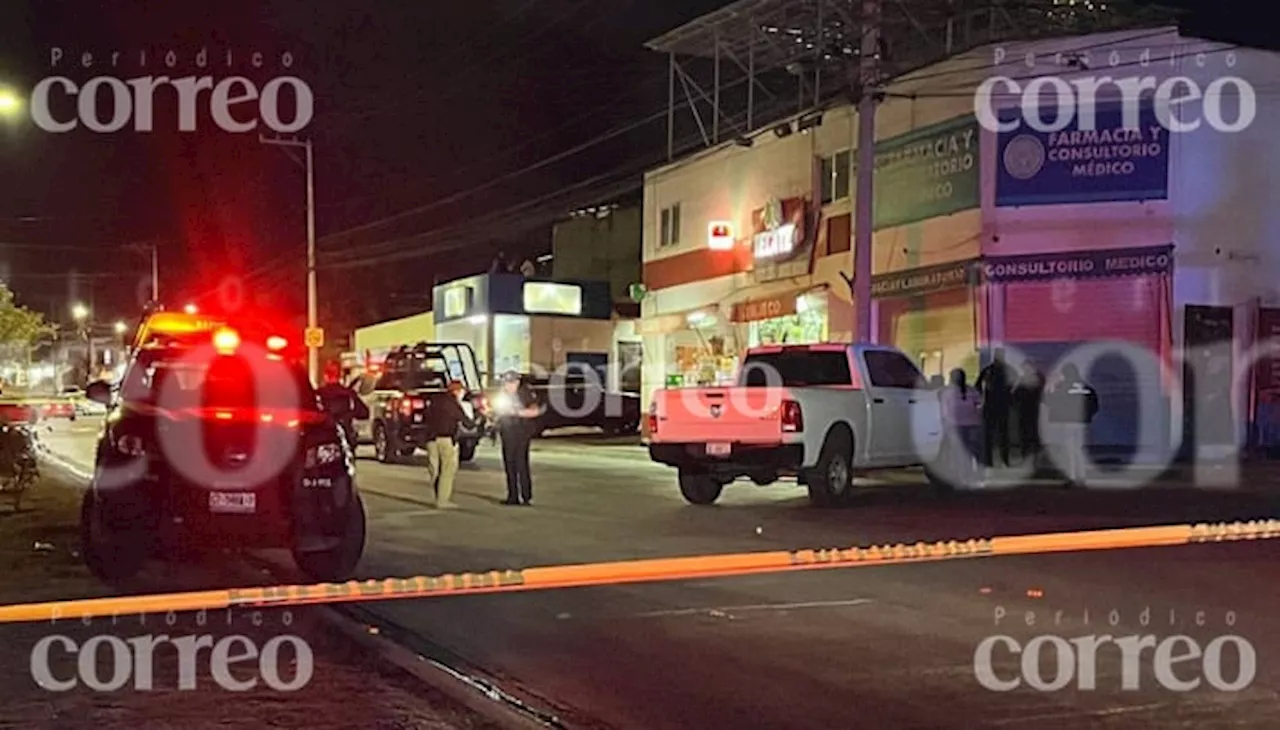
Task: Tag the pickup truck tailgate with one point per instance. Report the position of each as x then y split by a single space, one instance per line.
732 415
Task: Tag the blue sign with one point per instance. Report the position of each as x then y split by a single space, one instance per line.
1104 164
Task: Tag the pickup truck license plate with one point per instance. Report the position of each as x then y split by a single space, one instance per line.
719 449
233 502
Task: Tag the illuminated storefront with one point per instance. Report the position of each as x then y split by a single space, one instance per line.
526 325
797 317
709 306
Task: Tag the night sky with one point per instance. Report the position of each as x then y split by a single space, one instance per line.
414 102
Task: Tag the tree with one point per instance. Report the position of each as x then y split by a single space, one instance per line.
19 327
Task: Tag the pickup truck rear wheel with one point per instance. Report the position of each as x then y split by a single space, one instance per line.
382 448
700 488
830 482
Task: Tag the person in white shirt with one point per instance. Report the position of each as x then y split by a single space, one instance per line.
962 416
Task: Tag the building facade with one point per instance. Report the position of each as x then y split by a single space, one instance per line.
529 324
1037 241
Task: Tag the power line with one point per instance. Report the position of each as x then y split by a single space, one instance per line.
543 207
508 152
463 194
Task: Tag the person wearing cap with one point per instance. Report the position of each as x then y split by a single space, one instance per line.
517 409
444 415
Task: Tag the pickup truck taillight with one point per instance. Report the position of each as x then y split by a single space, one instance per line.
792 418
653 418
409 405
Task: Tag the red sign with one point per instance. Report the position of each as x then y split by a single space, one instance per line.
720 236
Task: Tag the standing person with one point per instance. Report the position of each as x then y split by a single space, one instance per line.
1028 393
963 420
444 415
342 402
1072 404
516 429
997 396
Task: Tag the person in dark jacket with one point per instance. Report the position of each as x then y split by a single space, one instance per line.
1072 405
1028 394
997 401
342 402
517 409
444 415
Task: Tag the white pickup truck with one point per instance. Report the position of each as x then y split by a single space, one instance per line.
820 413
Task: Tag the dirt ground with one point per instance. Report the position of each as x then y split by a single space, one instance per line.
39 561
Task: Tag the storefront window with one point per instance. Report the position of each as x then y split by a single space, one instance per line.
807 326
702 358
511 341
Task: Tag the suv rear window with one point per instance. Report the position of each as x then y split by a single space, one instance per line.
797 368
226 382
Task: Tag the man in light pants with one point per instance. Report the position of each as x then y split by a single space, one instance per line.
444 415
1072 404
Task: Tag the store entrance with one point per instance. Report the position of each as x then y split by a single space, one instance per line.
802 328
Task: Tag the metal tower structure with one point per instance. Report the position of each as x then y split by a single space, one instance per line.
734 71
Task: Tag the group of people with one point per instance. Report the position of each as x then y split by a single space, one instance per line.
981 418
445 414
514 422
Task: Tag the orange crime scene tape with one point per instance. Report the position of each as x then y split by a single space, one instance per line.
642 571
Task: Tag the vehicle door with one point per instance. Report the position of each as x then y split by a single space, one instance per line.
893 391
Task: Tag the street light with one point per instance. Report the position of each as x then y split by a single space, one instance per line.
121 328
313 355
81 313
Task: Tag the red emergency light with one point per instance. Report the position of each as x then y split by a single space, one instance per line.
226 341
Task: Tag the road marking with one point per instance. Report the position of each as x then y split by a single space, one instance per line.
727 611
67 464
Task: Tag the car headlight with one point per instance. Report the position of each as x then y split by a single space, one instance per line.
130 445
323 454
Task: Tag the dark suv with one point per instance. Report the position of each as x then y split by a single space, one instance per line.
214 442
400 393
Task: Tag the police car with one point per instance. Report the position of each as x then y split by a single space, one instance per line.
214 438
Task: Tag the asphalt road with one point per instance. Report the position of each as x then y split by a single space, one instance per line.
885 647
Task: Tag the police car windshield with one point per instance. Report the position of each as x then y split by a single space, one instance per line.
173 381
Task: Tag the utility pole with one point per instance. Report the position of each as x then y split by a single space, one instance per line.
864 78
155 274
313 354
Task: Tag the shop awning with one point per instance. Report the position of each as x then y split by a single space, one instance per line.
1144 261
782 304
667 323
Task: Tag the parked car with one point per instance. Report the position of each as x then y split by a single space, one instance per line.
573 400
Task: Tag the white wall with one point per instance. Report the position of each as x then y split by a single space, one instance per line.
570 335
405 331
